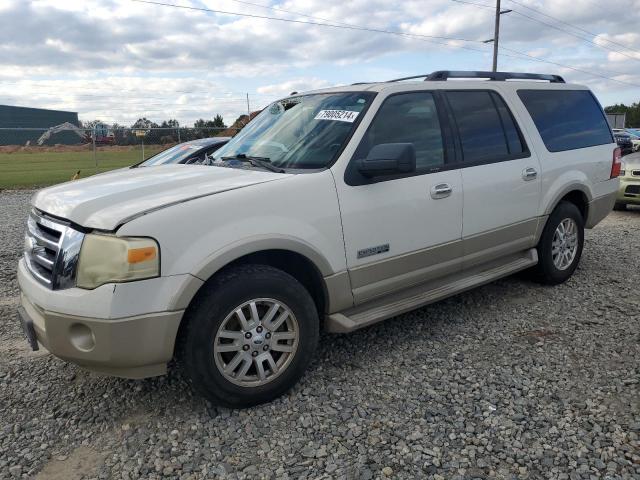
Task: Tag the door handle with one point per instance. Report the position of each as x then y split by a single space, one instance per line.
441 190
529 173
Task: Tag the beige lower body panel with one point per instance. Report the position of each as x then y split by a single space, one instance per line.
399 284
339 294
135 347
599 208
378 279
421 295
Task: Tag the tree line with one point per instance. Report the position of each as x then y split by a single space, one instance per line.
169 131
632 111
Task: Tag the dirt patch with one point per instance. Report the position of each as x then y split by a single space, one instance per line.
78 464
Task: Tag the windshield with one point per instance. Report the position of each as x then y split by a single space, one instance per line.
300 132
175 154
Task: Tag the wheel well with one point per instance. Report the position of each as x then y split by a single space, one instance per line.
579 199
296 265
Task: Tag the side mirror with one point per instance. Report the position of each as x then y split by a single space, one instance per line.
389 159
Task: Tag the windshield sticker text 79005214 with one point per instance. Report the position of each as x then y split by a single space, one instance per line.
339 115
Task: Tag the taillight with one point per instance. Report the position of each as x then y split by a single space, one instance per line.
616 165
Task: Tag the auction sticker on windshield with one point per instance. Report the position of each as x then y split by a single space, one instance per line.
339 115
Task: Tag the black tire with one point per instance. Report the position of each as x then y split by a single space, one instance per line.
546 271
217 299
620 206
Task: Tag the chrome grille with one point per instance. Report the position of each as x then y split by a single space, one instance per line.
51 250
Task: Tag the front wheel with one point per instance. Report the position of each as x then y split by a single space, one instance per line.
560 245
249 336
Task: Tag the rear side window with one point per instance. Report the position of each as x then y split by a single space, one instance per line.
485 125
567 119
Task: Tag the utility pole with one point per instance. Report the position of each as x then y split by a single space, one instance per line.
496 35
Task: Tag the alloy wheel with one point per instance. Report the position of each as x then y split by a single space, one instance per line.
256 342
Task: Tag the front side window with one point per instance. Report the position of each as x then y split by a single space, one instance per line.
486 128
304 132
567 119
408 118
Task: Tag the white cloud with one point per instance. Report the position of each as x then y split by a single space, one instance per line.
119 59
295 85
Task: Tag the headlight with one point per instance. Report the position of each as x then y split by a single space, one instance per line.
107 259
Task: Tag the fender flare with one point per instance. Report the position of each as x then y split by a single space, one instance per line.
227 254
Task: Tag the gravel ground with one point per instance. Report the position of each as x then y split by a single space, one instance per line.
512 380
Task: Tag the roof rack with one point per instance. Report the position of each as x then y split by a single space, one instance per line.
442 75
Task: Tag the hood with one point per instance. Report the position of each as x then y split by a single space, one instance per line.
110 199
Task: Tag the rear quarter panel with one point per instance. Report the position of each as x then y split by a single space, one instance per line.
585 169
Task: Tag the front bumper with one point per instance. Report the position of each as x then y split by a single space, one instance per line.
135 347
138 345
629 191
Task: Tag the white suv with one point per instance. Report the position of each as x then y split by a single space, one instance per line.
333 209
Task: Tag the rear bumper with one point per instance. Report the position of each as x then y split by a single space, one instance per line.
625 194
135 347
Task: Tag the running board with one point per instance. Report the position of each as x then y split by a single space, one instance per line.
395 304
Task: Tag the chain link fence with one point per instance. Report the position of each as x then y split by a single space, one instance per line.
43 156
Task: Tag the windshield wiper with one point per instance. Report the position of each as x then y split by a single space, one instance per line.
261 162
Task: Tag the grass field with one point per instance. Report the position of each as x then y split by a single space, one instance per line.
25 170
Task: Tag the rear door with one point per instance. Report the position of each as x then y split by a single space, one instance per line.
500 176
403 230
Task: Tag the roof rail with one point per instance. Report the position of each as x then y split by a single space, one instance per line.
497 76
409 78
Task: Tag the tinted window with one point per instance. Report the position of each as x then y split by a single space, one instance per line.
514 140
486 127
408 118
567 119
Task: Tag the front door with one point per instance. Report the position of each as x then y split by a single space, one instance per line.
403 230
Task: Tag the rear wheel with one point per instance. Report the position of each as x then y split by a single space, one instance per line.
250 336
560 245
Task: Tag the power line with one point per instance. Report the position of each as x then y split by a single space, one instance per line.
292 12
573 26
555 27
427 38
550 25
304 22
570 67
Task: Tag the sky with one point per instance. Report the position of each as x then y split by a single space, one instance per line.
119 60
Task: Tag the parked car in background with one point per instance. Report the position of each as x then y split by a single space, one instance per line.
333 209
623 139
191 152
629 192
635 138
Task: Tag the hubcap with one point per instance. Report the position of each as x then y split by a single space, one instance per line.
256 342
564 246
